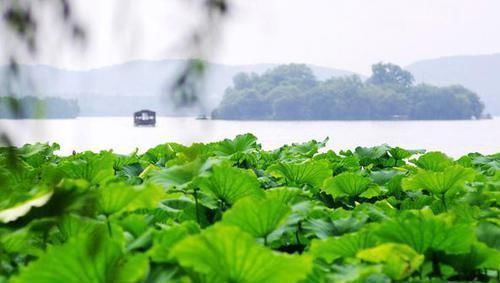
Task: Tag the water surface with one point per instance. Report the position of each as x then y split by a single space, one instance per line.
453 137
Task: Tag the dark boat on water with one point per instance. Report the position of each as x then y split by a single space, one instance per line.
145 118
202 117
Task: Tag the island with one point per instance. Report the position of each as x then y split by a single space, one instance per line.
292 92
31 107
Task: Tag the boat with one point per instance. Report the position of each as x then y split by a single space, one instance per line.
145 118
202 117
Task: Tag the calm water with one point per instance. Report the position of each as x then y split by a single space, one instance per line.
453 137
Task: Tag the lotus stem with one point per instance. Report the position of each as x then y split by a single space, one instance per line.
443 199
108 223
196 206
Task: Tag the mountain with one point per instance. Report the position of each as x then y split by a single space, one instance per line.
479 73
121 89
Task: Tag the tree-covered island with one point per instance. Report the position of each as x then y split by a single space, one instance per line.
32 107
292 92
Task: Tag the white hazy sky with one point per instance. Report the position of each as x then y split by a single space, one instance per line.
345 34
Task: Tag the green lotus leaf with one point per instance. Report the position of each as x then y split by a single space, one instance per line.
227 254
307 149
149 196
339 163
15 175
345 246
383 177
347 185
287 195
305 212
240 144
479 256
165 239
137 223
196 151
20 241
450 179
122 160
37 154
489 233
379 211
425 232
180 176
400 153
489 165
88 258
312 173
116 197
160 154
184 208
22 187
128 167
230 184
73 225
95 168
257 216
357 273
337 223
434 161
399 260
25 240
19 204
368 155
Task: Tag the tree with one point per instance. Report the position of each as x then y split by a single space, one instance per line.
289 108
291 92
242 80
292 74
454 102
390 74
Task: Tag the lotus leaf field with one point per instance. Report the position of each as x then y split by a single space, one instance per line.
230 211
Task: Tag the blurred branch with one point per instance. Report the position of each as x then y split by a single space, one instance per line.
186 89
19 31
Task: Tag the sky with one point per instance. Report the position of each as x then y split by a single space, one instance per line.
343 34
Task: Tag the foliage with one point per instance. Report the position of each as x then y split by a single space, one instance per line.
390 74
291 92
231 211
237 257
229 184
400 261
259 217
346 184
93 257
308 173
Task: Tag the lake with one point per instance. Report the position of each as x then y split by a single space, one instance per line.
453 137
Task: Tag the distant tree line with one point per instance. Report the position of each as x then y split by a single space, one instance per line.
292 92
30 107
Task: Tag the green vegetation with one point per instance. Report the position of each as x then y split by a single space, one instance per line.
292 92
30 107
230 211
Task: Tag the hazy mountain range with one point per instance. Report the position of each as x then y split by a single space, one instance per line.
479 73
122 89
